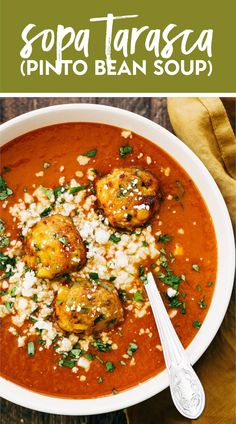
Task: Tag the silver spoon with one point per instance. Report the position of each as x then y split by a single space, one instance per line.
185 387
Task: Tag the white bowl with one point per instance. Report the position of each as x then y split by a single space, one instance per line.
224 234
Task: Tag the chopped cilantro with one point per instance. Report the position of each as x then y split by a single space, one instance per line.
89 356
125 150
99 380
174 302
199 287
145 244
98 319
141 271
91 188
114 391
114 238
58 191
196 267
76 352
46 165
131 349
42 342
164 238
197 324
202 303
67 278
48 192
5 191
138 297
73 190
2 226
84 310
122 295
101 346
63 240
90 153
59 302
112 278
142 274
110 367
8 305
94 276
45 212
129 217
183 311
32 319
209 284
30 348
163 261
66 363
170 279
6 260
12 292
4 241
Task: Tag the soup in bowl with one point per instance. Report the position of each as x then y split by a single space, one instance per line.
92 199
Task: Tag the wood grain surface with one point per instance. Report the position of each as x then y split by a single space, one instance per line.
152 108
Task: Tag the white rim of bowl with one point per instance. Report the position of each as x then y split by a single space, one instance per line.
225 241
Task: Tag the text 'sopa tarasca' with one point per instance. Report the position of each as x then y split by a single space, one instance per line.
171 50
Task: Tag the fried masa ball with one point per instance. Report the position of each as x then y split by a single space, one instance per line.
88 308
54 247
129 197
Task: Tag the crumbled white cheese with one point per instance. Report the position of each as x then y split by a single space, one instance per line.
79 174
126 134
39 174
21 341
84 363
101 236
83 160
159 347
171 292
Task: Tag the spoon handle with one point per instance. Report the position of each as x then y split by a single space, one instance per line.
186 389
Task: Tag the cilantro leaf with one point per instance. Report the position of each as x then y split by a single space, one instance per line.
164 238
125 150
5 191
90 153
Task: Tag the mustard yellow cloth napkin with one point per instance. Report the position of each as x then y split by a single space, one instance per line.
203 125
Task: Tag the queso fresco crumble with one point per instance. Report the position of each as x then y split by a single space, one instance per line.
120 242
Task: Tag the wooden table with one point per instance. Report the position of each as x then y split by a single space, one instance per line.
152 108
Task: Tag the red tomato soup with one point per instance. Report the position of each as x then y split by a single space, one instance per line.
87 210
